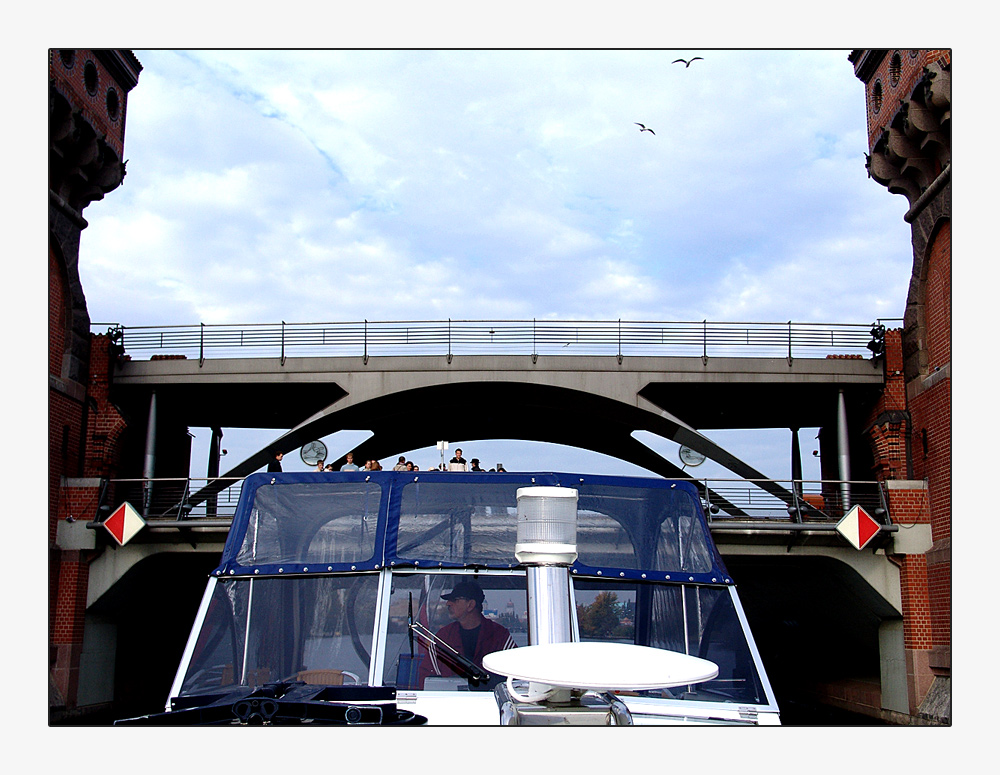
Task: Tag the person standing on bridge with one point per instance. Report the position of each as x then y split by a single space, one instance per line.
350 465
458 463
401 464
274 467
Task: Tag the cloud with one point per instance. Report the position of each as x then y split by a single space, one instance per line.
386 185
359 180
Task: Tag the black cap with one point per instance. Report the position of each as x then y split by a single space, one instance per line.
467 589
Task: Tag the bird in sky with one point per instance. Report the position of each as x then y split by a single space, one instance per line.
687 62
644 128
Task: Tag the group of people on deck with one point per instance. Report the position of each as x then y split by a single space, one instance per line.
457 463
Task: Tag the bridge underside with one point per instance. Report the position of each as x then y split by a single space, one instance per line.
483 410
589 403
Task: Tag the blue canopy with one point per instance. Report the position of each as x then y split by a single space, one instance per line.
318 523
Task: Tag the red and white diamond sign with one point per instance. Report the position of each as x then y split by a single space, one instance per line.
124 523
858 528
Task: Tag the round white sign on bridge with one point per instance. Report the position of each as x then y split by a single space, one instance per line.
600 666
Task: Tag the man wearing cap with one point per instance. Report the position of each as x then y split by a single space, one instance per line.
470 633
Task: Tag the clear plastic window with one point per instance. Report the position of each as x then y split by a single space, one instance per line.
257 631
696 620
411 663
651 529
312 522
459 522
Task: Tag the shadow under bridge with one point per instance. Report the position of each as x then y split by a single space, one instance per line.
593 420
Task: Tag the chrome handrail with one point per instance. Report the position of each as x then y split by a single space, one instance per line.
481 337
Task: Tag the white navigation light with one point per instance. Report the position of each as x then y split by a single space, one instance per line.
546 525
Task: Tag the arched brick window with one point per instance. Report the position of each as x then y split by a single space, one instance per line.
895 69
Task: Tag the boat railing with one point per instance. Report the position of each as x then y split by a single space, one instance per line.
533 337
728 503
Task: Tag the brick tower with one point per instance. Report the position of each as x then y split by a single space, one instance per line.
908 98
88 95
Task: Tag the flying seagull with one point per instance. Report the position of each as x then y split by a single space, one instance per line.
644 128
687 62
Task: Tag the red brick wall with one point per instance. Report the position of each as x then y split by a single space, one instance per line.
65 417
939 589
66 623
888 440
58 312
918 631
930 410
909 507
930 402
937 299
931 413
105 425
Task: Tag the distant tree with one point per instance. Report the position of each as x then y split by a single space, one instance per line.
600 618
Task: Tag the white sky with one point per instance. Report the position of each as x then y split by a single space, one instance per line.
322 185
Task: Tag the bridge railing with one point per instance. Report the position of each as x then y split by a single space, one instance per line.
167 501
819 504
815 502
498 337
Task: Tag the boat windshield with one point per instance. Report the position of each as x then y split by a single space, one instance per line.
690 619
323 575
257 631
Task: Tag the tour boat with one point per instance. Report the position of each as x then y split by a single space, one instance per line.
329 606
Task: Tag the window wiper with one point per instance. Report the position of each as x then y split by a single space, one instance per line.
468 668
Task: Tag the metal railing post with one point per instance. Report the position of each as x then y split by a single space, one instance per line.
366 342
796 503
201 347
619 341
282 342
534 342
449 340
884 499
704 342
789 342
184 509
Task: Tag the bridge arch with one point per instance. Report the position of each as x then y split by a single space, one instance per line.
418 416
589 402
